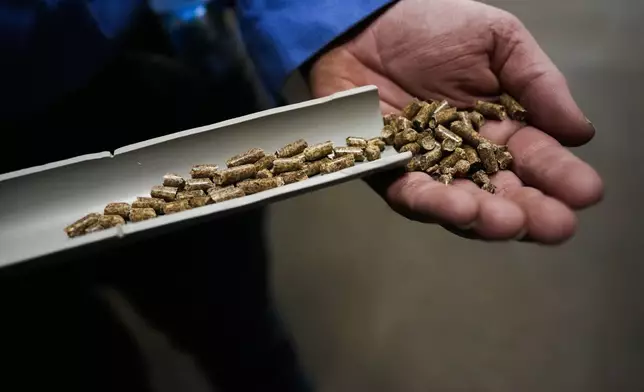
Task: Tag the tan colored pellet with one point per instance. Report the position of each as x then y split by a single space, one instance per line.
451 159
505 159
176 206
94 228
513 108
389 118
480 178
446 116
234 174
259 185
446 179
193 184
388 134
357 152
338 164
449 140
149 202
378 142
471 155
411 109
488 157
414 148
414 164
266 162
405 137
251 156
185 195
173 180
354 141
78 228
489 187
166 193
314 168
141 214
292 149
477 120
203 171
491 110
372 152
428 143
225 194
122 209
401 124
461 168
109 221
467 133
281 165
264 173
294 176
199 201
319 151
422 117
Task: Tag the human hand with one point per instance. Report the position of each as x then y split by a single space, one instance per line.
462 50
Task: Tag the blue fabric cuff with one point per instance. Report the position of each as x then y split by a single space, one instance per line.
282 34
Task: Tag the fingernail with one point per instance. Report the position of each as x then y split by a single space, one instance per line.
521 235
468 226
591 124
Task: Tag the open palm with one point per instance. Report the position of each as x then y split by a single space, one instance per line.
462 50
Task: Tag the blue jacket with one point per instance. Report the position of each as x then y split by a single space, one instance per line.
52 46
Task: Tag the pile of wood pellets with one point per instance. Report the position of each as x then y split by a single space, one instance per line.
444 143
248 173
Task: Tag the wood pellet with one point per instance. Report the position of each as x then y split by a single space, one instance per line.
444 142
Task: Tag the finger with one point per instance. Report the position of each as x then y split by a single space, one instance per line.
498 218
500 132
540 161
527 73
548 221
505 181
417 196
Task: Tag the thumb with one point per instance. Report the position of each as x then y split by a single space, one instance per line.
528 74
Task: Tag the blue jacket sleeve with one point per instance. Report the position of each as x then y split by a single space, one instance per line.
282 34
51 46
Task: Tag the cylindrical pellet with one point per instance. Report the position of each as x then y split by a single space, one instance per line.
446 179
149 202
176 206
480 178
431 158
467 133
173 180
203 171
354 141
259 185
78 228
513 108
266 162
264 173
491 110
388 134
421 120
446 116
414 164
461 168
451 159
314 168
486 153
109 221
489 187
234 174
185 195
141 214
477 120
122 209
401 124
448 170
251 156
372 152
292 149
295 176
428 143
166 193
414 148
405 137
94 228
194 184
319 151
338 164
441 133
389 118
472 156
226 194
378 142
411 109
465 118
504 158
434 169
281 165
357 152
199 201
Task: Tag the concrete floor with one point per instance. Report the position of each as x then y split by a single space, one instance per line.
410 307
